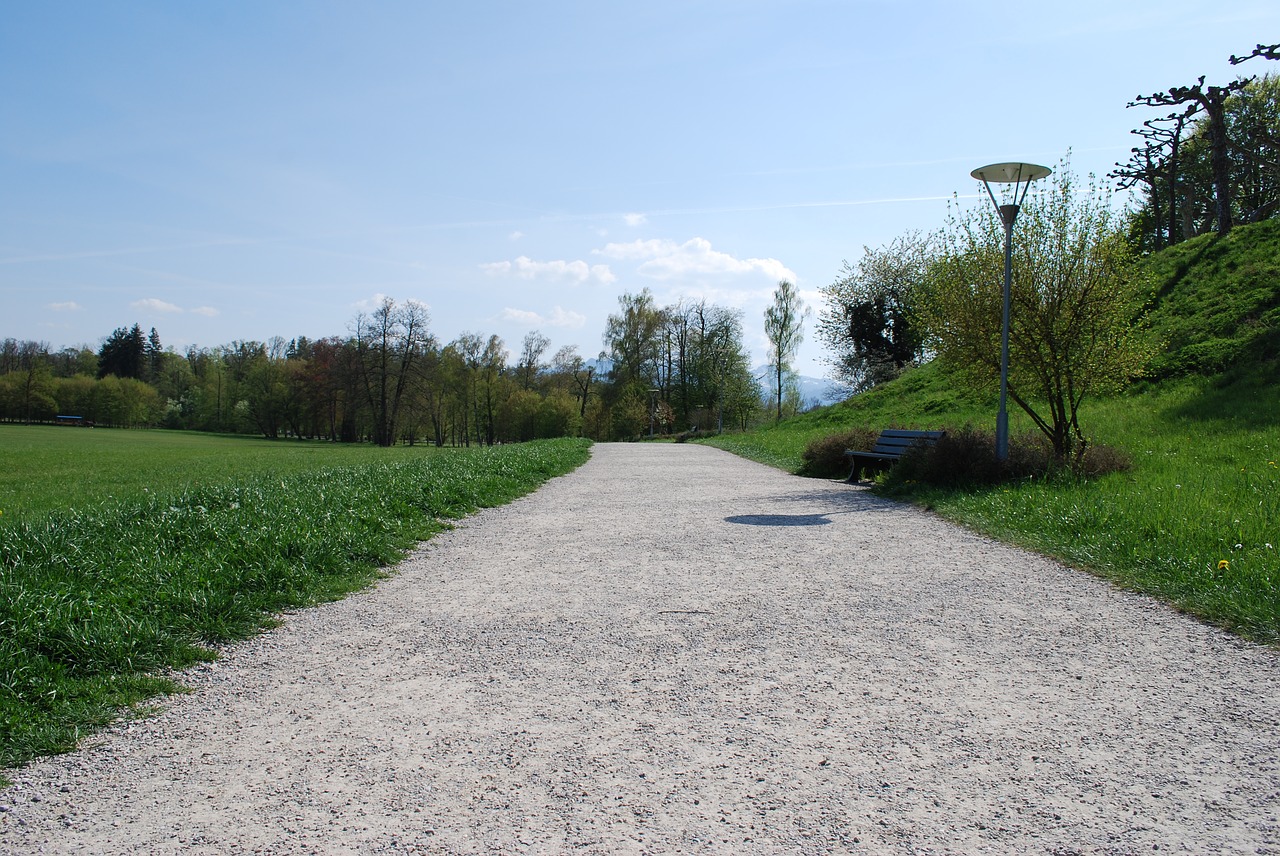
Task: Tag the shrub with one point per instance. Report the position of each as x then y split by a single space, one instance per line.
694 434
824 457
966 457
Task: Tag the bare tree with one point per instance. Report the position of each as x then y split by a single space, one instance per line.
1212 100
388 343
1264 51
1156 165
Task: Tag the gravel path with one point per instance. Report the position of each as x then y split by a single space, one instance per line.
675 650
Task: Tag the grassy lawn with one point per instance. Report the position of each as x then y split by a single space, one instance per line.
45 468
1204 489
165 544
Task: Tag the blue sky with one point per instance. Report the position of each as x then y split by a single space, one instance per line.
241 170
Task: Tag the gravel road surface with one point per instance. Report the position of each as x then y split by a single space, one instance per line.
673 650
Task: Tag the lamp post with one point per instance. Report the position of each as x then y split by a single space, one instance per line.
1020 175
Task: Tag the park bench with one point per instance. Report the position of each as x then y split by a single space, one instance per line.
891 445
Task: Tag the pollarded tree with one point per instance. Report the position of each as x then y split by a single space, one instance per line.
1076 299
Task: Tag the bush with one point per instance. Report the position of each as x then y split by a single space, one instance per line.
966 457
694 434
824 457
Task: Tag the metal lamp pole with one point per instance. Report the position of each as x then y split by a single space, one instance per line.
1020 175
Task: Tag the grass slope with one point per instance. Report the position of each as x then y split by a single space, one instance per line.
1196 522
97 600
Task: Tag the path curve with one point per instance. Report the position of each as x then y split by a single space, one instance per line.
676 650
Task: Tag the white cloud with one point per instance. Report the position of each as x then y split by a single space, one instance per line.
575 271
521 316
567 319
67 306
516 235
369 303
559 317
206 311
155 305
665 259
635 219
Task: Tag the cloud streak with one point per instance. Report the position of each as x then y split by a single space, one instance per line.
154 304
577 271
664 259
560 318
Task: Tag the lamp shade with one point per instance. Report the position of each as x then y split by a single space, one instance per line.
1010 173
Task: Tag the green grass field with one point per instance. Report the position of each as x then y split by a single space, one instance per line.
141 549
43 468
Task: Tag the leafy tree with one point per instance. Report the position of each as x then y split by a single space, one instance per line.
123 353
869 322
27 390
632 339
578 375
531 350
1076 295
784 328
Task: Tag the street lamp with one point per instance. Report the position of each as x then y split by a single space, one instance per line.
1020 175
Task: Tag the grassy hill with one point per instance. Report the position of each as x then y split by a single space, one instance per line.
1196 521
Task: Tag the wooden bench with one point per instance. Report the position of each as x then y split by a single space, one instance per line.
891 445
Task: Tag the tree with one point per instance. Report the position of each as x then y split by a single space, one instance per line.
784 328
578 374
632 339
123 353
388 344
1076 299
869 322
153 356
1157 166
1212 100
532 348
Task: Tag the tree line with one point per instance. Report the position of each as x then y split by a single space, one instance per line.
682 367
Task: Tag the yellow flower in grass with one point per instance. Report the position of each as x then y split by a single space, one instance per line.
1224 565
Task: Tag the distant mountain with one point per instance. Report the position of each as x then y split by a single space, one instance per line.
813 390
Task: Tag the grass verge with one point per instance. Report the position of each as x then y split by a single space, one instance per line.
96 603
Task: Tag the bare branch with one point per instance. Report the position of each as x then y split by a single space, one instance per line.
1264 51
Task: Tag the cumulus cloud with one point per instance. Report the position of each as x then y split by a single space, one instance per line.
154 304
576 271
665 259
516 235
67 306
635 219
559 317
206 311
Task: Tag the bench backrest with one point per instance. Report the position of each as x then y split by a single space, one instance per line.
894 441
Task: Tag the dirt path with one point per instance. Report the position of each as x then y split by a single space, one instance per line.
675 650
